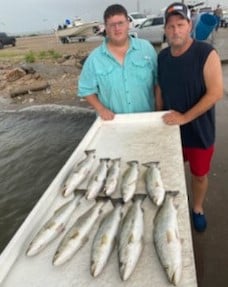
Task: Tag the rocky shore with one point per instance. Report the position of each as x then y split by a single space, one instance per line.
41 70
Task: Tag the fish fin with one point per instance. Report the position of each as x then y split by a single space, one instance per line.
61 228
76 234
131 238
100 211
175 279
95 178
63 191
49 224
92 268
104 239
85 239
170 236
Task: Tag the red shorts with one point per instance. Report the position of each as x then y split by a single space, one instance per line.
199 159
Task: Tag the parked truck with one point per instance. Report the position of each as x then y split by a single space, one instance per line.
6 40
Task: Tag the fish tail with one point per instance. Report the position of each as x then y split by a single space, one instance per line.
150 163
132 161
172 192
102 198
116 201
139 196
79 192
105 159
116 159
87 152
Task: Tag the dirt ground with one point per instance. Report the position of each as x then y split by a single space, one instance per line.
60 73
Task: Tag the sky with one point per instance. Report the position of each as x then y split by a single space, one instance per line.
28 16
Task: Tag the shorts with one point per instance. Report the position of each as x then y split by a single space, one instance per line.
199 159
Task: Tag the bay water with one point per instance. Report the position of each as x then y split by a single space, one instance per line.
35 143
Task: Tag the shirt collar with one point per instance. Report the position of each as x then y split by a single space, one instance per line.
133 45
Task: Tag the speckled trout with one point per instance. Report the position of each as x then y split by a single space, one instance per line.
167 239
97 180
54 226
112 177
154 183
129 180
78 234
79 172
105 238
131 236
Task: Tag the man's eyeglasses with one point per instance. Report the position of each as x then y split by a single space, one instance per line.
119 24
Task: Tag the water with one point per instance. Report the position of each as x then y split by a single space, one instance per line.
34 145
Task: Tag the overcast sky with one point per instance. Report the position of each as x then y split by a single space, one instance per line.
25 16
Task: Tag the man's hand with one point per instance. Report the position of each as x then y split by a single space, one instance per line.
106 114
174 118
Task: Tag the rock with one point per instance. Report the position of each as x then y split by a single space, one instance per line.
15 74
28 69
26 89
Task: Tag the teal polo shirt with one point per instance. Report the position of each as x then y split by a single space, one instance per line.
122 88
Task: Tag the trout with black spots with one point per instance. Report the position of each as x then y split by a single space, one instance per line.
167 239
54 226
154 183
105 238
129 180
78 234
131 238
79 172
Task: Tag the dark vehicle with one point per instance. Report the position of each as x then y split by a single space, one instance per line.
6 40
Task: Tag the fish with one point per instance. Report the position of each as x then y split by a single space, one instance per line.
54 226
79 172
97 180
78 234
154 183
129 180
112 177
105 238
167 238
131 238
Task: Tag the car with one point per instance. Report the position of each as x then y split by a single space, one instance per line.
224 20
6 40
136 19
151 29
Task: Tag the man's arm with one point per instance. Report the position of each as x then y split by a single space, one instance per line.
102 111
158 98
214 91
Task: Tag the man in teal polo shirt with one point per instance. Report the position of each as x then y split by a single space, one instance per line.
120 75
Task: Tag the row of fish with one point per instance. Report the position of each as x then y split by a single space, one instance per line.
107 175
127 233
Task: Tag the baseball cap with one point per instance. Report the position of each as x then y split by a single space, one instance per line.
177 8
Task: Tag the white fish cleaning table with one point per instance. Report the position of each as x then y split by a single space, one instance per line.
143 137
